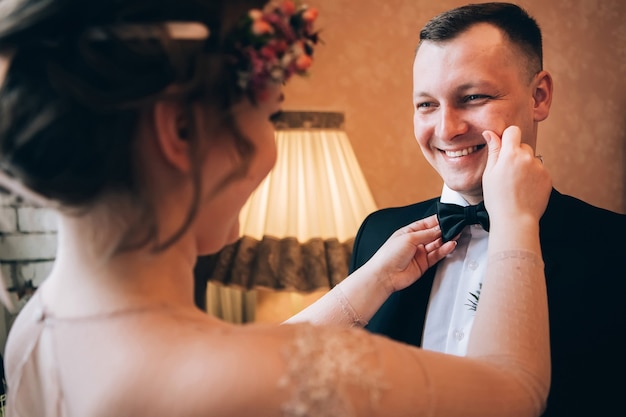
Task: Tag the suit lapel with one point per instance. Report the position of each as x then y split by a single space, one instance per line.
402 316
422 297
420 294
550 232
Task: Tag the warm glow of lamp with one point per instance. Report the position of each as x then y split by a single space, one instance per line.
316 189
298 227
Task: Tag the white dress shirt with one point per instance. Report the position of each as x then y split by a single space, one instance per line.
451 308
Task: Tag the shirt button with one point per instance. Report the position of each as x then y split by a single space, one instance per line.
458 335
472 265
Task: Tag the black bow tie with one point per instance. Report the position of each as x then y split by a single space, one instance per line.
453 218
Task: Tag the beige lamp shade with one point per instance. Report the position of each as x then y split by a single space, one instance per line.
298 227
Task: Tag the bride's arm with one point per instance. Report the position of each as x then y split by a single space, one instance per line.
511 328
404 257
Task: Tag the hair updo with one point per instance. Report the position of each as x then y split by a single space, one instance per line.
70 102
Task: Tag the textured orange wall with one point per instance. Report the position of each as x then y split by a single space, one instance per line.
364 70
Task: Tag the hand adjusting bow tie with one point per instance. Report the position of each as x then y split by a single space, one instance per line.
453 218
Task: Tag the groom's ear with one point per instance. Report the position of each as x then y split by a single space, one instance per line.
172 130
542 95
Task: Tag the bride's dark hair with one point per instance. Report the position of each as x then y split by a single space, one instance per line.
70 102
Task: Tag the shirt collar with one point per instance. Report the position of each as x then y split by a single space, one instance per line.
450 196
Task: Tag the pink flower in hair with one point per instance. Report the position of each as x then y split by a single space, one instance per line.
261 27
288 7
303 62
255 14
268 52
309 15
279 46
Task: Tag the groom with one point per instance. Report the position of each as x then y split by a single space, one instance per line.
479 67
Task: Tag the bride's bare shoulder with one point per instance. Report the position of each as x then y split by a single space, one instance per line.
259 369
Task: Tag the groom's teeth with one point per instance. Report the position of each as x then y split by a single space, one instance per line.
462 152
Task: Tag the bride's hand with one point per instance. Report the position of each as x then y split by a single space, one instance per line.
408 253
515 182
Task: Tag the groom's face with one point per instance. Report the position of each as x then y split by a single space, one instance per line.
462 87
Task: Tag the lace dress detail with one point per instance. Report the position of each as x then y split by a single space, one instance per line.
348 311
333 307
317 360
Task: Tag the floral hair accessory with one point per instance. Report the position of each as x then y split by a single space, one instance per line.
272 44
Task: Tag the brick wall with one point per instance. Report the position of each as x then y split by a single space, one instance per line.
28 242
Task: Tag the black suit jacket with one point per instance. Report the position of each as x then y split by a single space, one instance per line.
584 252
